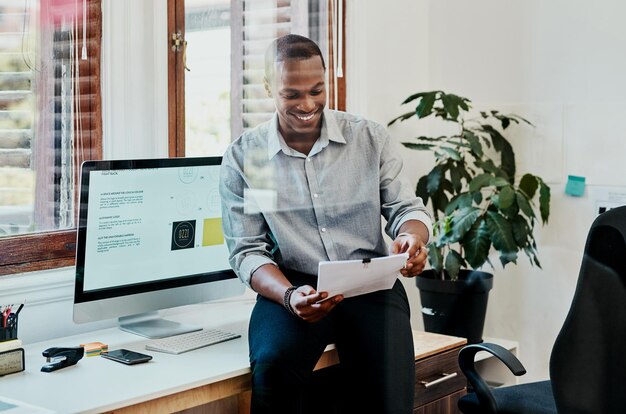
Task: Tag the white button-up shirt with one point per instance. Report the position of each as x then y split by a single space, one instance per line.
282 207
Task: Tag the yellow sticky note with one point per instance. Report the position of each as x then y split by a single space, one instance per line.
212 234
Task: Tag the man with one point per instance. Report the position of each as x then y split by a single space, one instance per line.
307 186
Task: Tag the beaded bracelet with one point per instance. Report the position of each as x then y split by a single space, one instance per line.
287 300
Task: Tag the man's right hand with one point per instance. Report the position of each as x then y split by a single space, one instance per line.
305 301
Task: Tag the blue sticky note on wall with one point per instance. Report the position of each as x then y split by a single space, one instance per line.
575 186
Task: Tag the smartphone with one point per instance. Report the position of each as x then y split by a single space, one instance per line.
126 356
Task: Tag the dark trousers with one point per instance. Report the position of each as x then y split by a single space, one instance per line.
373 337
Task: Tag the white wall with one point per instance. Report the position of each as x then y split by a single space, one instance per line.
558 63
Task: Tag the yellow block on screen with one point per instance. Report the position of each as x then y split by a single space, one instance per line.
212 232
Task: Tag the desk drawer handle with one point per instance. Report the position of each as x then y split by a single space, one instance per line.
445 377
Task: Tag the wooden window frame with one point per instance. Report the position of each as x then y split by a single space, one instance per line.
176 74
47 250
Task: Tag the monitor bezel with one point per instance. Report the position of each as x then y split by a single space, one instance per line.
82 296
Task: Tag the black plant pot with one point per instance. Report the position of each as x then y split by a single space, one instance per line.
458 307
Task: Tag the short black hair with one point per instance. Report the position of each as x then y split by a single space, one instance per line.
291 46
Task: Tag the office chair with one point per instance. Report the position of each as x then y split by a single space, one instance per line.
588 360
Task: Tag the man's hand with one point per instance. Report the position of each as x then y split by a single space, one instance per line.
304 303
418 253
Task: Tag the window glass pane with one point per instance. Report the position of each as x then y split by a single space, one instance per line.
207 83
17 111
226 42
38 85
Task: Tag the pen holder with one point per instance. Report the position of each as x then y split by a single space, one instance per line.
8 331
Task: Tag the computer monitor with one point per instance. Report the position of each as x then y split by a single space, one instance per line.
150 238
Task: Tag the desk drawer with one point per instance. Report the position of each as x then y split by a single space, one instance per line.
437 376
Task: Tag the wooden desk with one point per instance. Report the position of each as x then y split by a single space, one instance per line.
171 383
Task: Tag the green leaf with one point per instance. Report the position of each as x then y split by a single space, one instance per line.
435 259
489 166
524 205
528 184
508 257
544 202
518 118
439 200
419 147
452 153
501 233
453 264
453 104
434 180
532 255
421 189
477 244
512 210
425 106
458 202
431 139
505 149
507 197
402 117
474 142
499 182
521 230
463 220
414 97
455 178
478 197
480 181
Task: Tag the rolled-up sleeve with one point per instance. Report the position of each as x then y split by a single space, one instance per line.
398 201
246 233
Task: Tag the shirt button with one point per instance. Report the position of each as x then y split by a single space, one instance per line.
308 160
323 229
316 195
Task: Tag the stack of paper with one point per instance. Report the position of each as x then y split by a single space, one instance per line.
357 277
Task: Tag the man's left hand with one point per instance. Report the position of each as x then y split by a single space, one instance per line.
418 253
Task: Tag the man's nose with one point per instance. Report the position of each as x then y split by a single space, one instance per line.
307 104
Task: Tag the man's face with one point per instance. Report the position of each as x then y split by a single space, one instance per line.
299 92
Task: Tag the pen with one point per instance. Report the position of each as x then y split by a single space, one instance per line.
20 308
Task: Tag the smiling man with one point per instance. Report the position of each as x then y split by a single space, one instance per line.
313 185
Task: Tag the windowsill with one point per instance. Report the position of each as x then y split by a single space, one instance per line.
41 286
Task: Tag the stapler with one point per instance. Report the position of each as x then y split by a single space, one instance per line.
61 357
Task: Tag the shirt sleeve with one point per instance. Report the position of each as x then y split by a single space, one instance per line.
398 201
246 232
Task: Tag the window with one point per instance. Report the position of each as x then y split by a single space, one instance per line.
49 122
218 67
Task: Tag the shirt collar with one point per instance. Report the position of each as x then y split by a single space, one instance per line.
330 132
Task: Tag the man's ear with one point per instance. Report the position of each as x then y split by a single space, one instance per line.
268 89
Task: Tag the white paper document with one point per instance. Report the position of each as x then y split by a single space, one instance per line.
357 277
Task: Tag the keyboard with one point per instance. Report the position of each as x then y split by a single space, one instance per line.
190 341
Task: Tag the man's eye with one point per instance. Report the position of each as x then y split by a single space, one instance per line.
316 92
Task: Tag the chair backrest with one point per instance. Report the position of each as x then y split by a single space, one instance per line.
588 361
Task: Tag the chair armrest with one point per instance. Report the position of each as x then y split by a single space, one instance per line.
466 363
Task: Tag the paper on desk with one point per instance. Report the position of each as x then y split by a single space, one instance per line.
9 406
354 277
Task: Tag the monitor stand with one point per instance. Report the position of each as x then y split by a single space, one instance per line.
152 326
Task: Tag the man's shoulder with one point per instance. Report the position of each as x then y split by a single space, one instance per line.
353 125
350 120
254 137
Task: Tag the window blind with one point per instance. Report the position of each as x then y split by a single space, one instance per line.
49 123
255 24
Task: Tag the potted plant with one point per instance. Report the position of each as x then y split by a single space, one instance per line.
478 203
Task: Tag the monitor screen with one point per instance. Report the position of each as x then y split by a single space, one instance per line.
149 238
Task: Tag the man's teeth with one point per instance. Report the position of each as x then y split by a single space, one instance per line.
305 118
